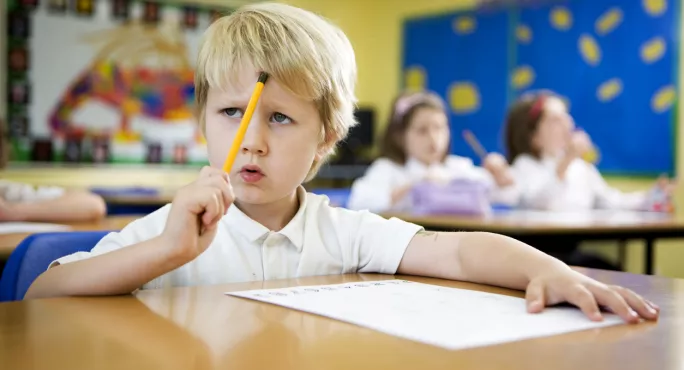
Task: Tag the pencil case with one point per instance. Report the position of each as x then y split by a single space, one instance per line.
458 197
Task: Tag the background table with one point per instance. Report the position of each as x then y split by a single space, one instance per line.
201 328
545 228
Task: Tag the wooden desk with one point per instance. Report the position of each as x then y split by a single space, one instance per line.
200 328
547 226
8 242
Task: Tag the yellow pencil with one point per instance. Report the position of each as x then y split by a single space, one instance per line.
240 135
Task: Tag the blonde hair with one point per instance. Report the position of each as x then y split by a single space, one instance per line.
309 56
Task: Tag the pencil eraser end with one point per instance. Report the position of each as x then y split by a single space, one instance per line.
263 76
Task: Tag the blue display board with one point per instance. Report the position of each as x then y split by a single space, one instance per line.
615 62
449 55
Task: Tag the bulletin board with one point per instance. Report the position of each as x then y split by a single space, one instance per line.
464 58
104 81
614 62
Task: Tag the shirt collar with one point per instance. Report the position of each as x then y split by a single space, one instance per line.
253 231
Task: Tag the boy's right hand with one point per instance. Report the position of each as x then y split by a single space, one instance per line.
195 212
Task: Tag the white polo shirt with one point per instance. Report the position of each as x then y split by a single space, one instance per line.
583 187
319 240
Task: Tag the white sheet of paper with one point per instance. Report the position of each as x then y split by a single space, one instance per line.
30 227
445 317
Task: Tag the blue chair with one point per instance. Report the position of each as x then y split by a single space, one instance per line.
35 253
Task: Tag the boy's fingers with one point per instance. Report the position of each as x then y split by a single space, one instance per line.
535 297
581 297
610 299
212 207
636 302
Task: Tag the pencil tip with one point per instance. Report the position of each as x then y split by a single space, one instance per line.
263 76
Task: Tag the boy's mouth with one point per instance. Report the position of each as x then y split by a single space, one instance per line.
251 173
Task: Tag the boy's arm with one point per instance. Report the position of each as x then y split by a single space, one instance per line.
71 206
147 248
477 257
121 271
502 261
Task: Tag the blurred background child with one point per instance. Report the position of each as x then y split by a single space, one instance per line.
547 155
416 148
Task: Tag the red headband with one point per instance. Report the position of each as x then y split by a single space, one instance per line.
537 106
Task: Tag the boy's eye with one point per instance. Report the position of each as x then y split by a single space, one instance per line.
232 112
281 118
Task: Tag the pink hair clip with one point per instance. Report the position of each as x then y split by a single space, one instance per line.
537 107
405 103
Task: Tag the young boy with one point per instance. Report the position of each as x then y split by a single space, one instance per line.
257 222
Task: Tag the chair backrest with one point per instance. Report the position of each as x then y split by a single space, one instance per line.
35 253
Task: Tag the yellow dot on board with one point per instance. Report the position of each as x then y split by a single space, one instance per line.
522 77
561 18
663 99
464 25
609 21
415 78
464 97
609 90
653 50
655 8
589 49
523 33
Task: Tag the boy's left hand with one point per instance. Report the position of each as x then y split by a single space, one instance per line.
559 285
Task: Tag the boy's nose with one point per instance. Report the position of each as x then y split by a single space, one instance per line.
255 138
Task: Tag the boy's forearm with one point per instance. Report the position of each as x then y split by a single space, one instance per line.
119 272
72 206
494 259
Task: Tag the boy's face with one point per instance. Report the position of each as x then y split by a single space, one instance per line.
280 145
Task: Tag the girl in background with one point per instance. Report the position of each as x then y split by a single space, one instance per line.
24 202
416 148
546 153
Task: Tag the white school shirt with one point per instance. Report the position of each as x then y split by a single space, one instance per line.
319 240
17 192
583 187
373 191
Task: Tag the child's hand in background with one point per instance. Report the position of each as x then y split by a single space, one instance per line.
497 165
580 144
660 198
560 284
437 176
195 212
666 185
